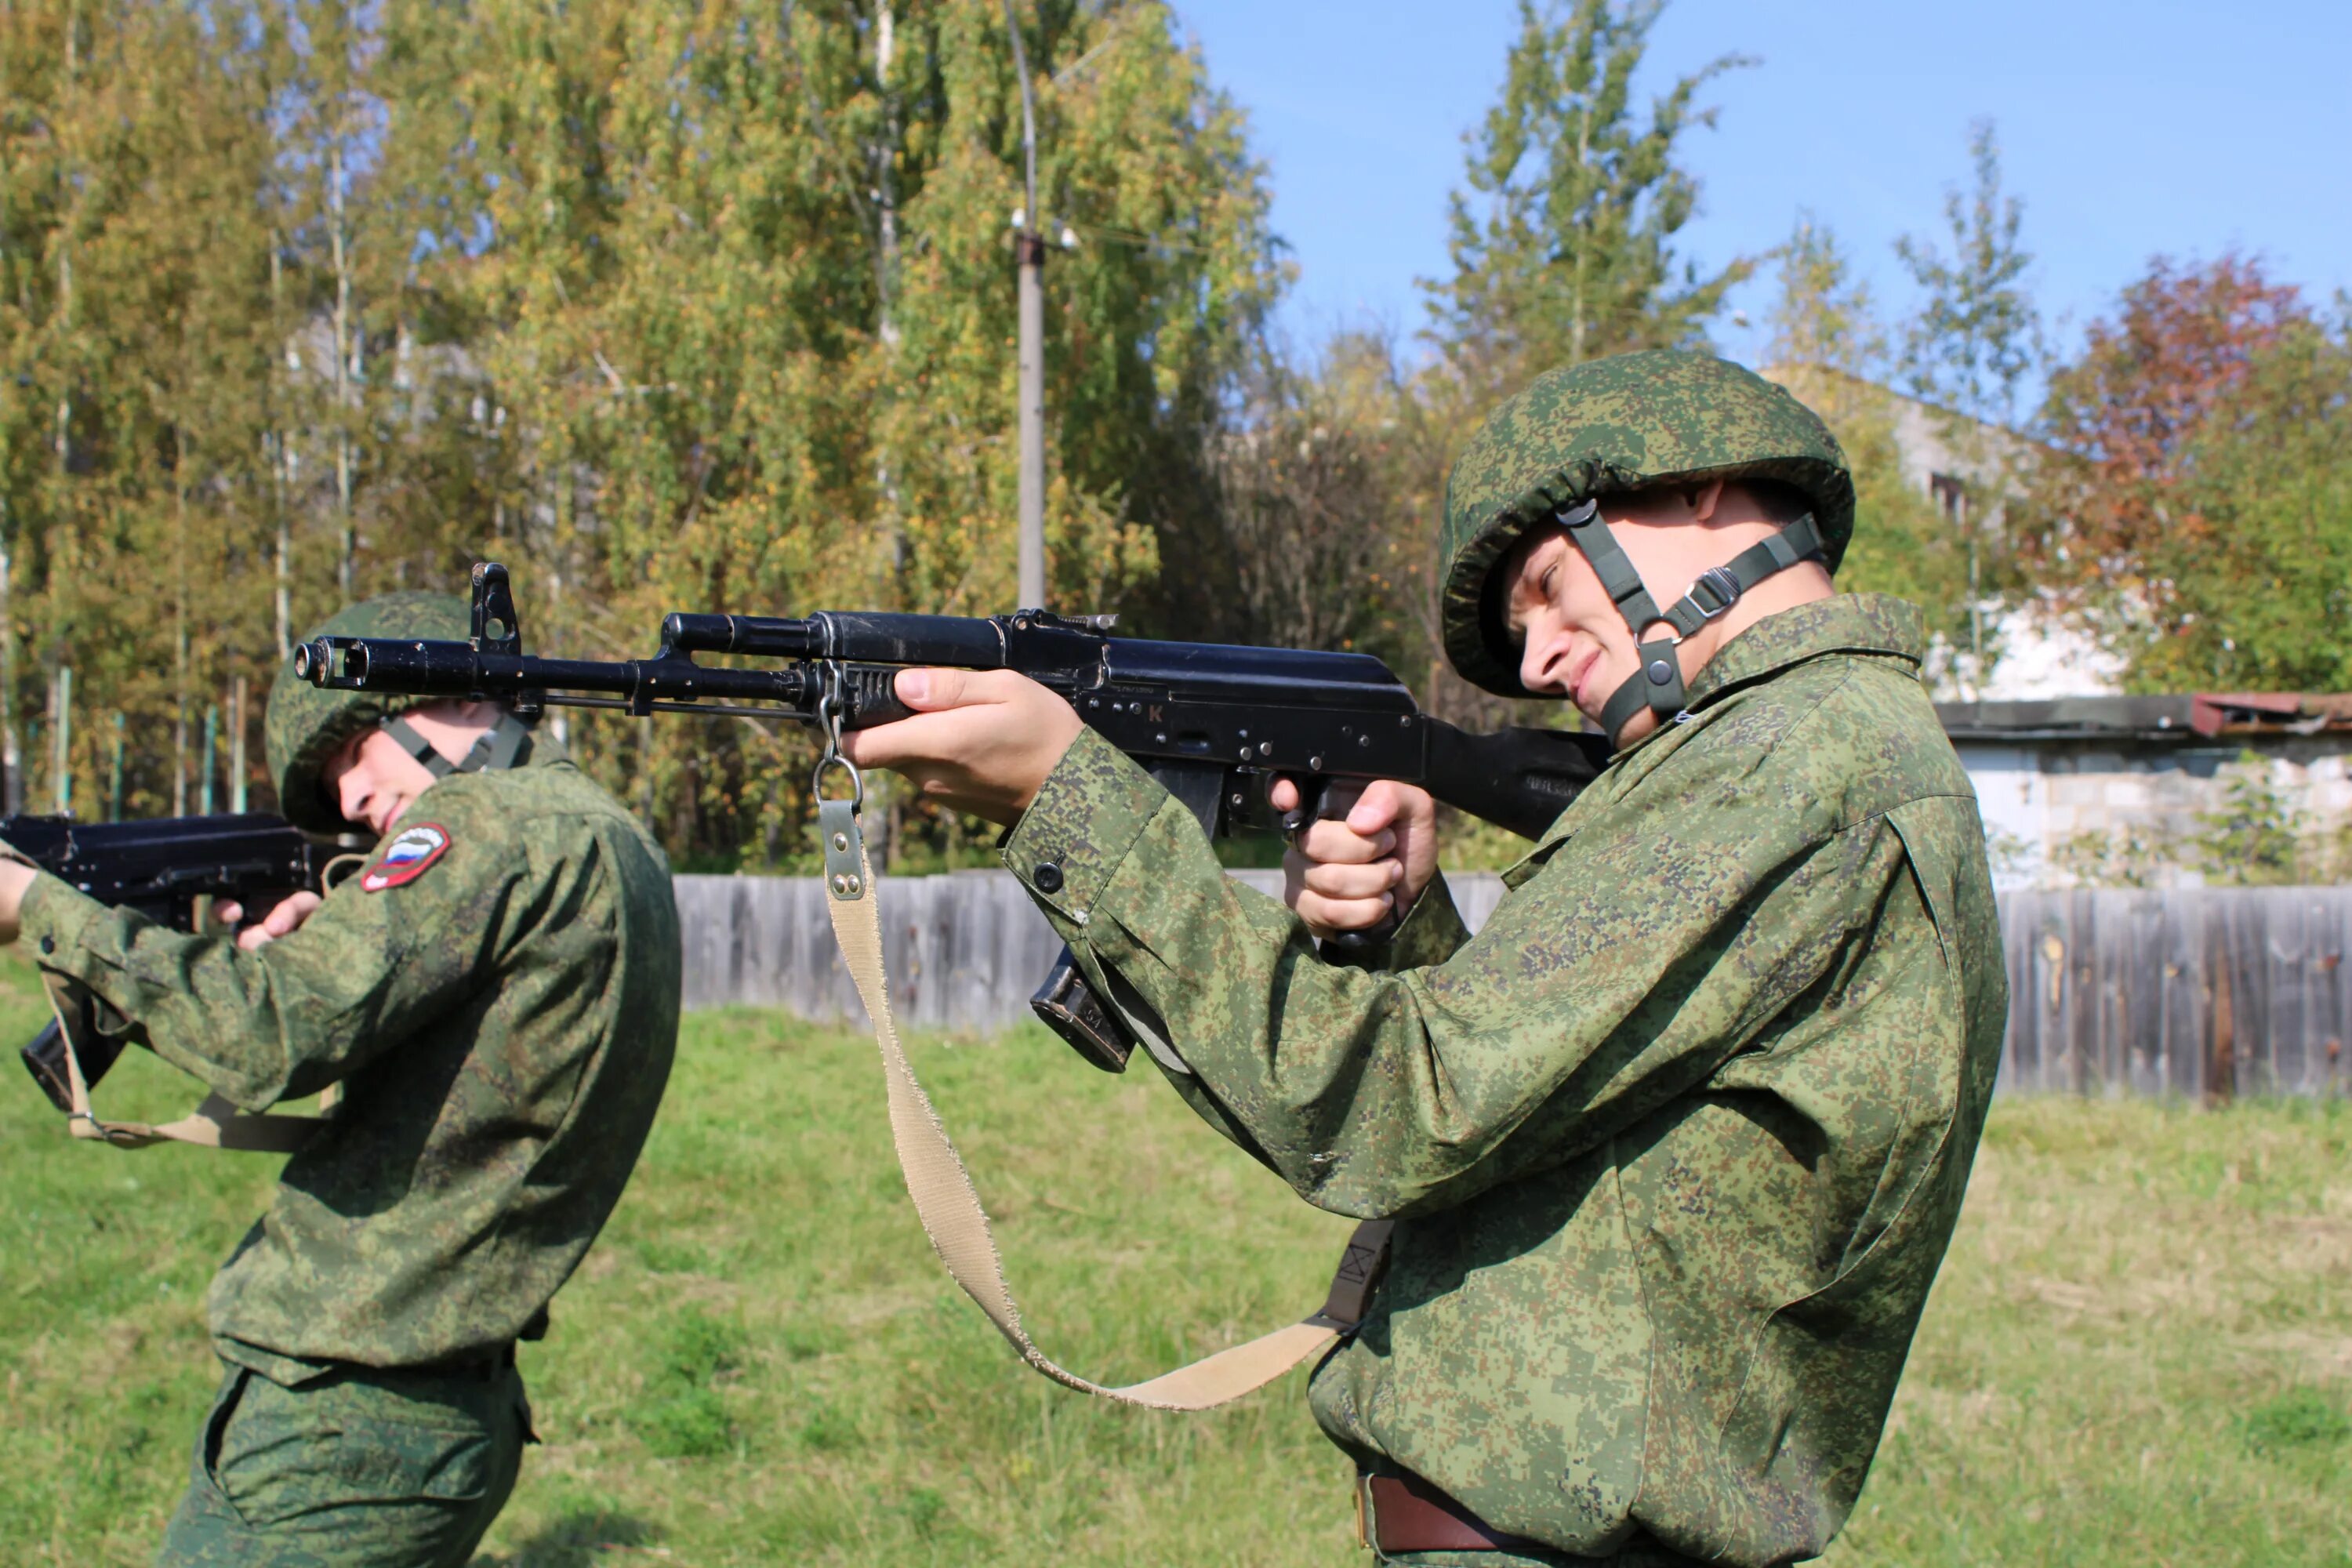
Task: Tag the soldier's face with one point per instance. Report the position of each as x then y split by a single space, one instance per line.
1574 643
374 782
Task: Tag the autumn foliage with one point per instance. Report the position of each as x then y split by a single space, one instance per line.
2195 504
2130 409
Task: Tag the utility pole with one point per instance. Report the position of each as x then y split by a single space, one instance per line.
1029 256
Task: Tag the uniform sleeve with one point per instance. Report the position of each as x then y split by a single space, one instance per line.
368 968
1430 932
1641 957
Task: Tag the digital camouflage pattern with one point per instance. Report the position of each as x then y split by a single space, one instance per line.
1605 427
306 725
354 1471
502 1027
1677 1139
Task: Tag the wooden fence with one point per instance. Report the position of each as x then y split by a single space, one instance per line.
2201 992
964 950
2206 993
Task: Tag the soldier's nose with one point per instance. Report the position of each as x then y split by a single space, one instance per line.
1536 667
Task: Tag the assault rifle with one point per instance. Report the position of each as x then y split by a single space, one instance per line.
159 868
1216 725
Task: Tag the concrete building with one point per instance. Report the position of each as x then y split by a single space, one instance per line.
2131 790
1964 466
2080 784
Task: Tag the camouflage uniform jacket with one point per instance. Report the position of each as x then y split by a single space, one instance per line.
502 1021
1677 1139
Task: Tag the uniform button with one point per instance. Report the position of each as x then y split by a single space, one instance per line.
1047 876
48 945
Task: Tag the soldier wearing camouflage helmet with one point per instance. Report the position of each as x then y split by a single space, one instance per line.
495 990
1674 1144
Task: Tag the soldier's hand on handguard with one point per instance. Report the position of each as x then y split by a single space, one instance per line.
982 741
1345 875
284 917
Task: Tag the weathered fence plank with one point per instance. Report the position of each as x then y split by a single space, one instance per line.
2204 992
964 949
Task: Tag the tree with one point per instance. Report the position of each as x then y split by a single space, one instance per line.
2202 511
302 301
1976 336
1308 491
1564 247
736 283
1829 347
2182 343
1823 318
1968 349
131 154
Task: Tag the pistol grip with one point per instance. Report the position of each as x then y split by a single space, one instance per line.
1325 799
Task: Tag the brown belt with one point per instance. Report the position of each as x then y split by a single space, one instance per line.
1408 1514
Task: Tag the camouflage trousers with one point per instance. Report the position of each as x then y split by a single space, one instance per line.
360 1469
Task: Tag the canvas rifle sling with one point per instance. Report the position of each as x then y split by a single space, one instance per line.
214 1124
948 1204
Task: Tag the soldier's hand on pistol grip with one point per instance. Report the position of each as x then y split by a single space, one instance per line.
1351 873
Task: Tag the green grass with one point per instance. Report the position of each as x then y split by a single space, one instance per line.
2141 1350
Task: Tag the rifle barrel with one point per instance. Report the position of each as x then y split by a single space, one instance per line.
414 668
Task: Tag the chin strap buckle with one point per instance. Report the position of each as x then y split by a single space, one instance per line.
1722 587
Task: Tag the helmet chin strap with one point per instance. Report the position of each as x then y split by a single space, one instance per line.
506 744
1657 684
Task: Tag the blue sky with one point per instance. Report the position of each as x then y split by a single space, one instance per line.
2128 128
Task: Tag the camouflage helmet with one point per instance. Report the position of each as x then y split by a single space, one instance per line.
1605 427
306 725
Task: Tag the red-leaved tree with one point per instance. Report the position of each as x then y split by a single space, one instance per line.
2198 508
2129 411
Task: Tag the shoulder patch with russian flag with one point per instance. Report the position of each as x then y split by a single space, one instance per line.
406 858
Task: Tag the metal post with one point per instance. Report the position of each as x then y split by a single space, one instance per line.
61 788
12 760
237 746
1029 257
212 753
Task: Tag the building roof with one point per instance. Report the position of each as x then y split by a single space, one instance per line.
2185 718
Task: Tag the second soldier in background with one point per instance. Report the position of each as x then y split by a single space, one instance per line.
497 992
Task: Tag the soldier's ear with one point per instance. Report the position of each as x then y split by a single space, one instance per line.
1704 501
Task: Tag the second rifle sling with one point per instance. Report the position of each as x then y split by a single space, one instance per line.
214 1124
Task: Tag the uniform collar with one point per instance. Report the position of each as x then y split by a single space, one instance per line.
1866 623
1843 623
